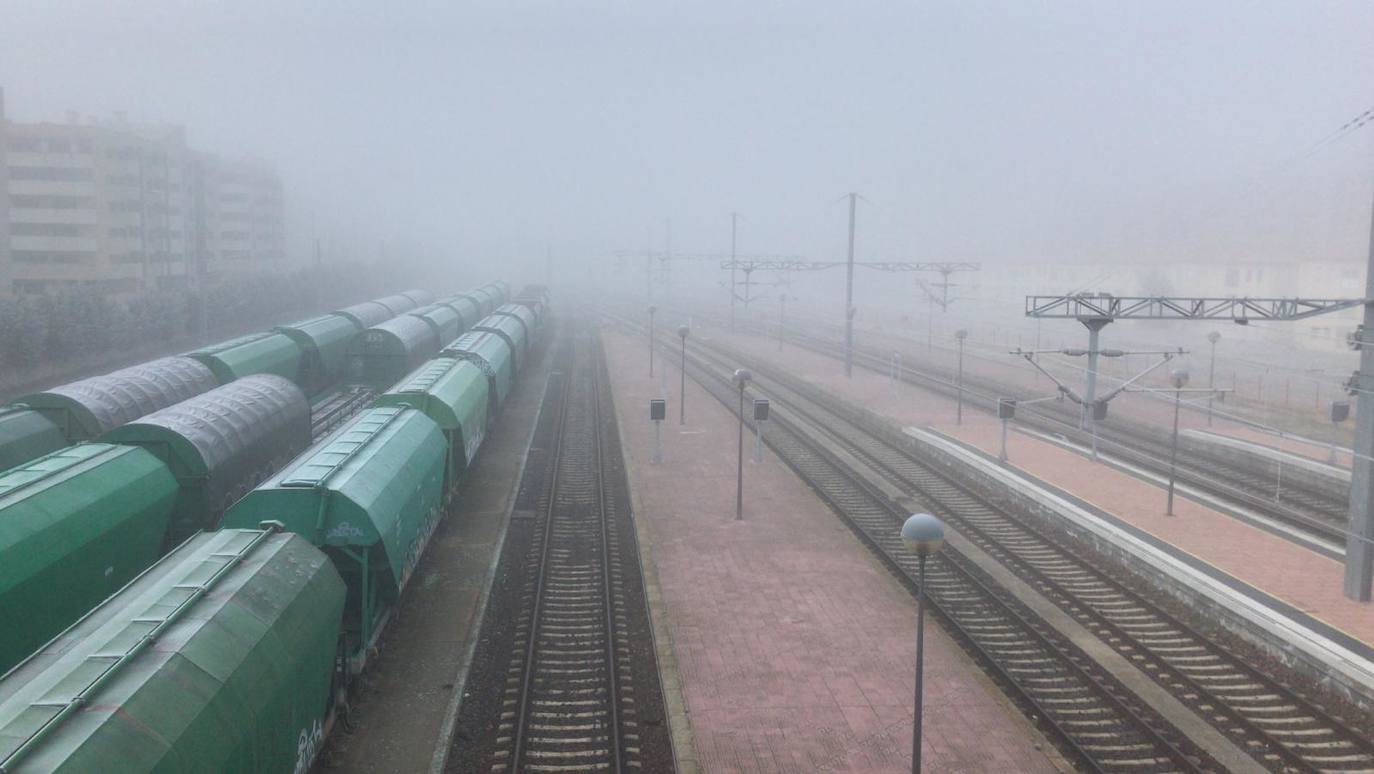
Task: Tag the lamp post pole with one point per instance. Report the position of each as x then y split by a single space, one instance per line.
652 310
682 331
923 535
1212 338
960 334
782 312
1179 379
742 377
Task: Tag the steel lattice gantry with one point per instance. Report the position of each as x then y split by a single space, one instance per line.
1095 311
1240 310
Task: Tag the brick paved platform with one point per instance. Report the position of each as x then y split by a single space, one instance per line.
795 647
1299 577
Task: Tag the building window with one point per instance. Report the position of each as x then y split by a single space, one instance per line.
61 174
48 256
27 201
46 229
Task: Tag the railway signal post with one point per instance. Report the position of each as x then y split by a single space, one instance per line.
658 411
760 417
923 535
742 377
682 332
1006 411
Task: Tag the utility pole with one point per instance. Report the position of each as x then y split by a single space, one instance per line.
849 294
1359 551
734 223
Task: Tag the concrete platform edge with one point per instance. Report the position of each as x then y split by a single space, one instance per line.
1277 634
685 756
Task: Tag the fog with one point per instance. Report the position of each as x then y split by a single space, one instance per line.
1075 131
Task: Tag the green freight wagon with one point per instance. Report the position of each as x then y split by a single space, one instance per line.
453 393
370 495
219 658
221 444
466 308
75 526
526 318
486 302
366 314
510 329
26 435
89 408
498 290
494 356
380 356
446 323
323 342
398 304
257 353
419 297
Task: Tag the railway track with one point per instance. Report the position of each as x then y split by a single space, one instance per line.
1319 515
1096 721
1279 727
577 687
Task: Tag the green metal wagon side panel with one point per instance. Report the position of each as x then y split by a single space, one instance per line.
259 353
376 481
453 393
237 679
494 356
324 344
26 435
75 526
510 329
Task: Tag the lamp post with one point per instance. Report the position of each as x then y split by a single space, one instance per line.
742 377
652 310
960 334
923 535
682 331
1179 378
782 312
1212 338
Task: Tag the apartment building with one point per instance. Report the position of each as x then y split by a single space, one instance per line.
122 208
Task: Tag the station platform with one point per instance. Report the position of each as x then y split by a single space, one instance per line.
404 708
1298 584
790 647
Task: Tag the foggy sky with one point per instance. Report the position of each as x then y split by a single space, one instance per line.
985 131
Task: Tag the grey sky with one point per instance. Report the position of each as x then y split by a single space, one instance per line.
1009 130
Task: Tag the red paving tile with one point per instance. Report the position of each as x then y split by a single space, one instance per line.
1306 580
795 647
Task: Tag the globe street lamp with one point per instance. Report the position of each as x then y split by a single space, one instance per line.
1179 378
742 377
923 535
682 331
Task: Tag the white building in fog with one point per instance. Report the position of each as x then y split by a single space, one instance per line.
124 207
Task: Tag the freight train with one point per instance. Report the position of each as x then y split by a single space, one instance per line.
327 542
